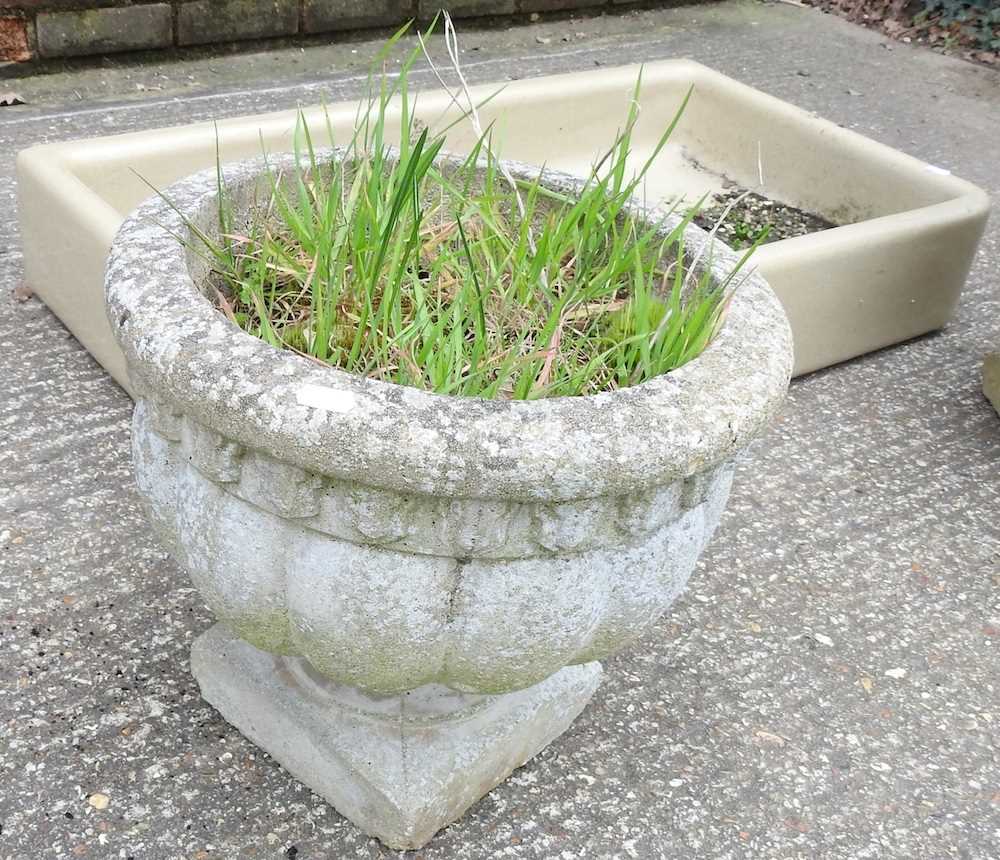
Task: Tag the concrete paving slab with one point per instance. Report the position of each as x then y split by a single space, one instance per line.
827 688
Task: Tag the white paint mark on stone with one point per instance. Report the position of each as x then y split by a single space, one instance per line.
327 399
99 801
897 673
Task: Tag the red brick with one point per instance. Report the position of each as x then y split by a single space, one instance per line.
14 44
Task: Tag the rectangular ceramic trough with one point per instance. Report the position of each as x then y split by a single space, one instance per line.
894 270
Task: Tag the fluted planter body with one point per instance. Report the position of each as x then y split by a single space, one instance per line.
382 540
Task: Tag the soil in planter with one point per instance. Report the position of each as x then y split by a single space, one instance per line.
755 213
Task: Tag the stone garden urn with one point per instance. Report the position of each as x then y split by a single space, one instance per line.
414 591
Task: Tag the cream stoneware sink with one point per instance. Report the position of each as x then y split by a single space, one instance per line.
893 269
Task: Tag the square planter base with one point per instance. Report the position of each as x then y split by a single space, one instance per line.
400 767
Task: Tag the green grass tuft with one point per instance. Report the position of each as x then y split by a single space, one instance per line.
397 265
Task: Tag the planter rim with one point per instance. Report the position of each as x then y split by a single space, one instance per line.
183 351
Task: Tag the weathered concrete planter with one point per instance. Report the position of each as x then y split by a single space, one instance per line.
413 590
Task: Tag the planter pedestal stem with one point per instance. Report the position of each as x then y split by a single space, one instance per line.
400 767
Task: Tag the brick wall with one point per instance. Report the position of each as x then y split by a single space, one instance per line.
43 29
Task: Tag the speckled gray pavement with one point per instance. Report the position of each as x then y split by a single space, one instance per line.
830 685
